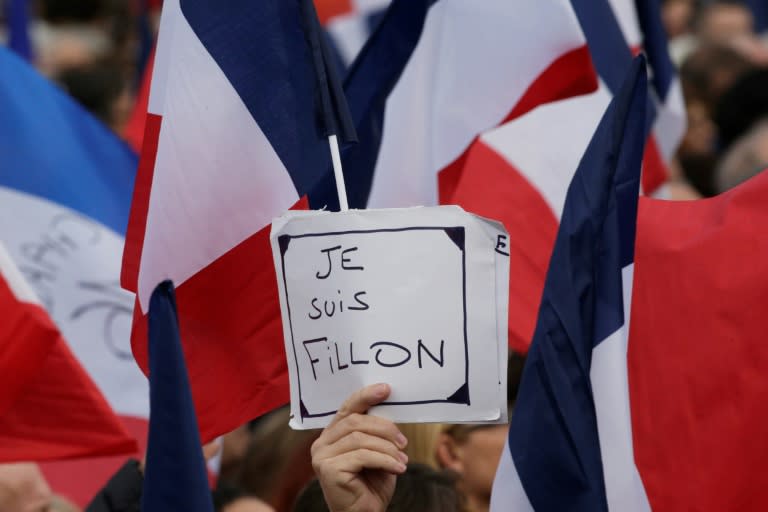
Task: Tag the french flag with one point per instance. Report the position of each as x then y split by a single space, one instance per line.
65 190
697 352
240 105
350 23
641 29
673 419
570 437
505 175
448 70
175 475
49 408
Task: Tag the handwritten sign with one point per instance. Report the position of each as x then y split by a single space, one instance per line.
407 297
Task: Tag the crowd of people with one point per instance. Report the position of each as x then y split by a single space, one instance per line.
95 50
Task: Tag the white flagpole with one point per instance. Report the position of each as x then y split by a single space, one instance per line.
341 187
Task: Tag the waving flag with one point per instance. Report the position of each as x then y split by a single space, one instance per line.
175 477
231 142
505 175
65 184
49 407
436 74
350 23
643 30
697 351
210 100
570 438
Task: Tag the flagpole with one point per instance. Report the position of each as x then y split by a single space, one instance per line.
341 188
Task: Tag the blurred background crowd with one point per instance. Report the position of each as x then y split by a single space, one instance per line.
98 52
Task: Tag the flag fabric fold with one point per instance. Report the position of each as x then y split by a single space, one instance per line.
433 76
65 183
17 16
505 175
240 106
219 76
175 476
697 351
49 408
570 438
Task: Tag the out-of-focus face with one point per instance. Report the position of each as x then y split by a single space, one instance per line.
248 505
23 488
473 453
676 15
481 453
724 22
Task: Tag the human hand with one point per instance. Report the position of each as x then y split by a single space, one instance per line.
357 457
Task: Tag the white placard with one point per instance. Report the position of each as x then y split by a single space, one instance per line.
413 297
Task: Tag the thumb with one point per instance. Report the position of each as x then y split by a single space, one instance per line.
362 400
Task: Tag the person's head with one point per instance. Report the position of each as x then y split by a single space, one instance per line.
472 452
277 463
66 11
743 105
422 439
420 488
709 71
232 499
722 20
676 16
101 89
747 157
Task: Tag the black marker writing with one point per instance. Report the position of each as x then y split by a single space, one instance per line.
352 357
344 261
330 307
420 347
386 354
501 245
312 360
400 348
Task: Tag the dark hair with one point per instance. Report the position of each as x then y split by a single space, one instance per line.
82 11
311 499
745 103
95 86
224 495
515 366
710 68
419 488
424 489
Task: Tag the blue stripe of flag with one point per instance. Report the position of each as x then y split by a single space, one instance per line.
17 16
53 149
656 46
175 477
553 435
267 55
370 81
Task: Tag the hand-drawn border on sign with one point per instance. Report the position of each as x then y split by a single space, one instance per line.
456 234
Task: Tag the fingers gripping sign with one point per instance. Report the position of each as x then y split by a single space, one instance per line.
357 457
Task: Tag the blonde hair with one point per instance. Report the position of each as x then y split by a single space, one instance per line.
422 442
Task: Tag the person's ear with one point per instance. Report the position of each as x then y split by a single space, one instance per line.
449 454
